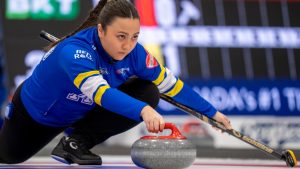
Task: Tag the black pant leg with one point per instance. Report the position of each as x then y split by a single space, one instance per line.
100 124
21 137
143 90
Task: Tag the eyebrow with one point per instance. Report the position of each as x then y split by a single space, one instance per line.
128 33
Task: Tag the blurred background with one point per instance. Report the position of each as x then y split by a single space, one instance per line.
243 56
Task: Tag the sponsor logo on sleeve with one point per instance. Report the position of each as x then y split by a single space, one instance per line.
151 62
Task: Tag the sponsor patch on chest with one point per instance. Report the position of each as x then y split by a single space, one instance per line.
123 71
103 71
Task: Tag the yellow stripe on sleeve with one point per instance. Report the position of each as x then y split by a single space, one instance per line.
176 89
161 76
78 80
99 94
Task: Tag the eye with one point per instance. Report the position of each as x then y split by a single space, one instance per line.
135 37
121 37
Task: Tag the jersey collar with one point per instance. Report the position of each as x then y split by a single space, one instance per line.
102 53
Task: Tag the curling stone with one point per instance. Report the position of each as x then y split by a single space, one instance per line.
163 152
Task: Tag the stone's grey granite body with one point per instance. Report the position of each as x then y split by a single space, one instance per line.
163 153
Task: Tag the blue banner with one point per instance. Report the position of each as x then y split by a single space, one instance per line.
246 97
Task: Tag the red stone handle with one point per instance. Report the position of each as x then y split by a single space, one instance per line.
174 135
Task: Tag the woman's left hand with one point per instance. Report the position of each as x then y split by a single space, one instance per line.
220 117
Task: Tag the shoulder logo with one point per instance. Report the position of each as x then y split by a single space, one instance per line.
82 54
151 62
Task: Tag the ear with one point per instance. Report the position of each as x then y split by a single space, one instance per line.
100 30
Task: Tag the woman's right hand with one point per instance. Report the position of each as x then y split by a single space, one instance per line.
153 120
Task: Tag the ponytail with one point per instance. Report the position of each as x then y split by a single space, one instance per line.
92 20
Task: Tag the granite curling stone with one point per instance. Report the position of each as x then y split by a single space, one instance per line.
164 152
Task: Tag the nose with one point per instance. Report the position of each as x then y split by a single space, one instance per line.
127 45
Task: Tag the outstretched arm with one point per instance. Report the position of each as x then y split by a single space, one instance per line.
170 85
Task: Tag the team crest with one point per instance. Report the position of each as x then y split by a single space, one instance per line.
151 62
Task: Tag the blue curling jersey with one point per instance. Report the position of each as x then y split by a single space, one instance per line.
78 73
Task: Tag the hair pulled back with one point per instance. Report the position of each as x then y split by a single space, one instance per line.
104 13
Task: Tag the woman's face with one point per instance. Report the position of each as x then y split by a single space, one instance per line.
120 36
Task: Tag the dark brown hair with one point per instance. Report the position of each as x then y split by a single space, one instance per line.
104 13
